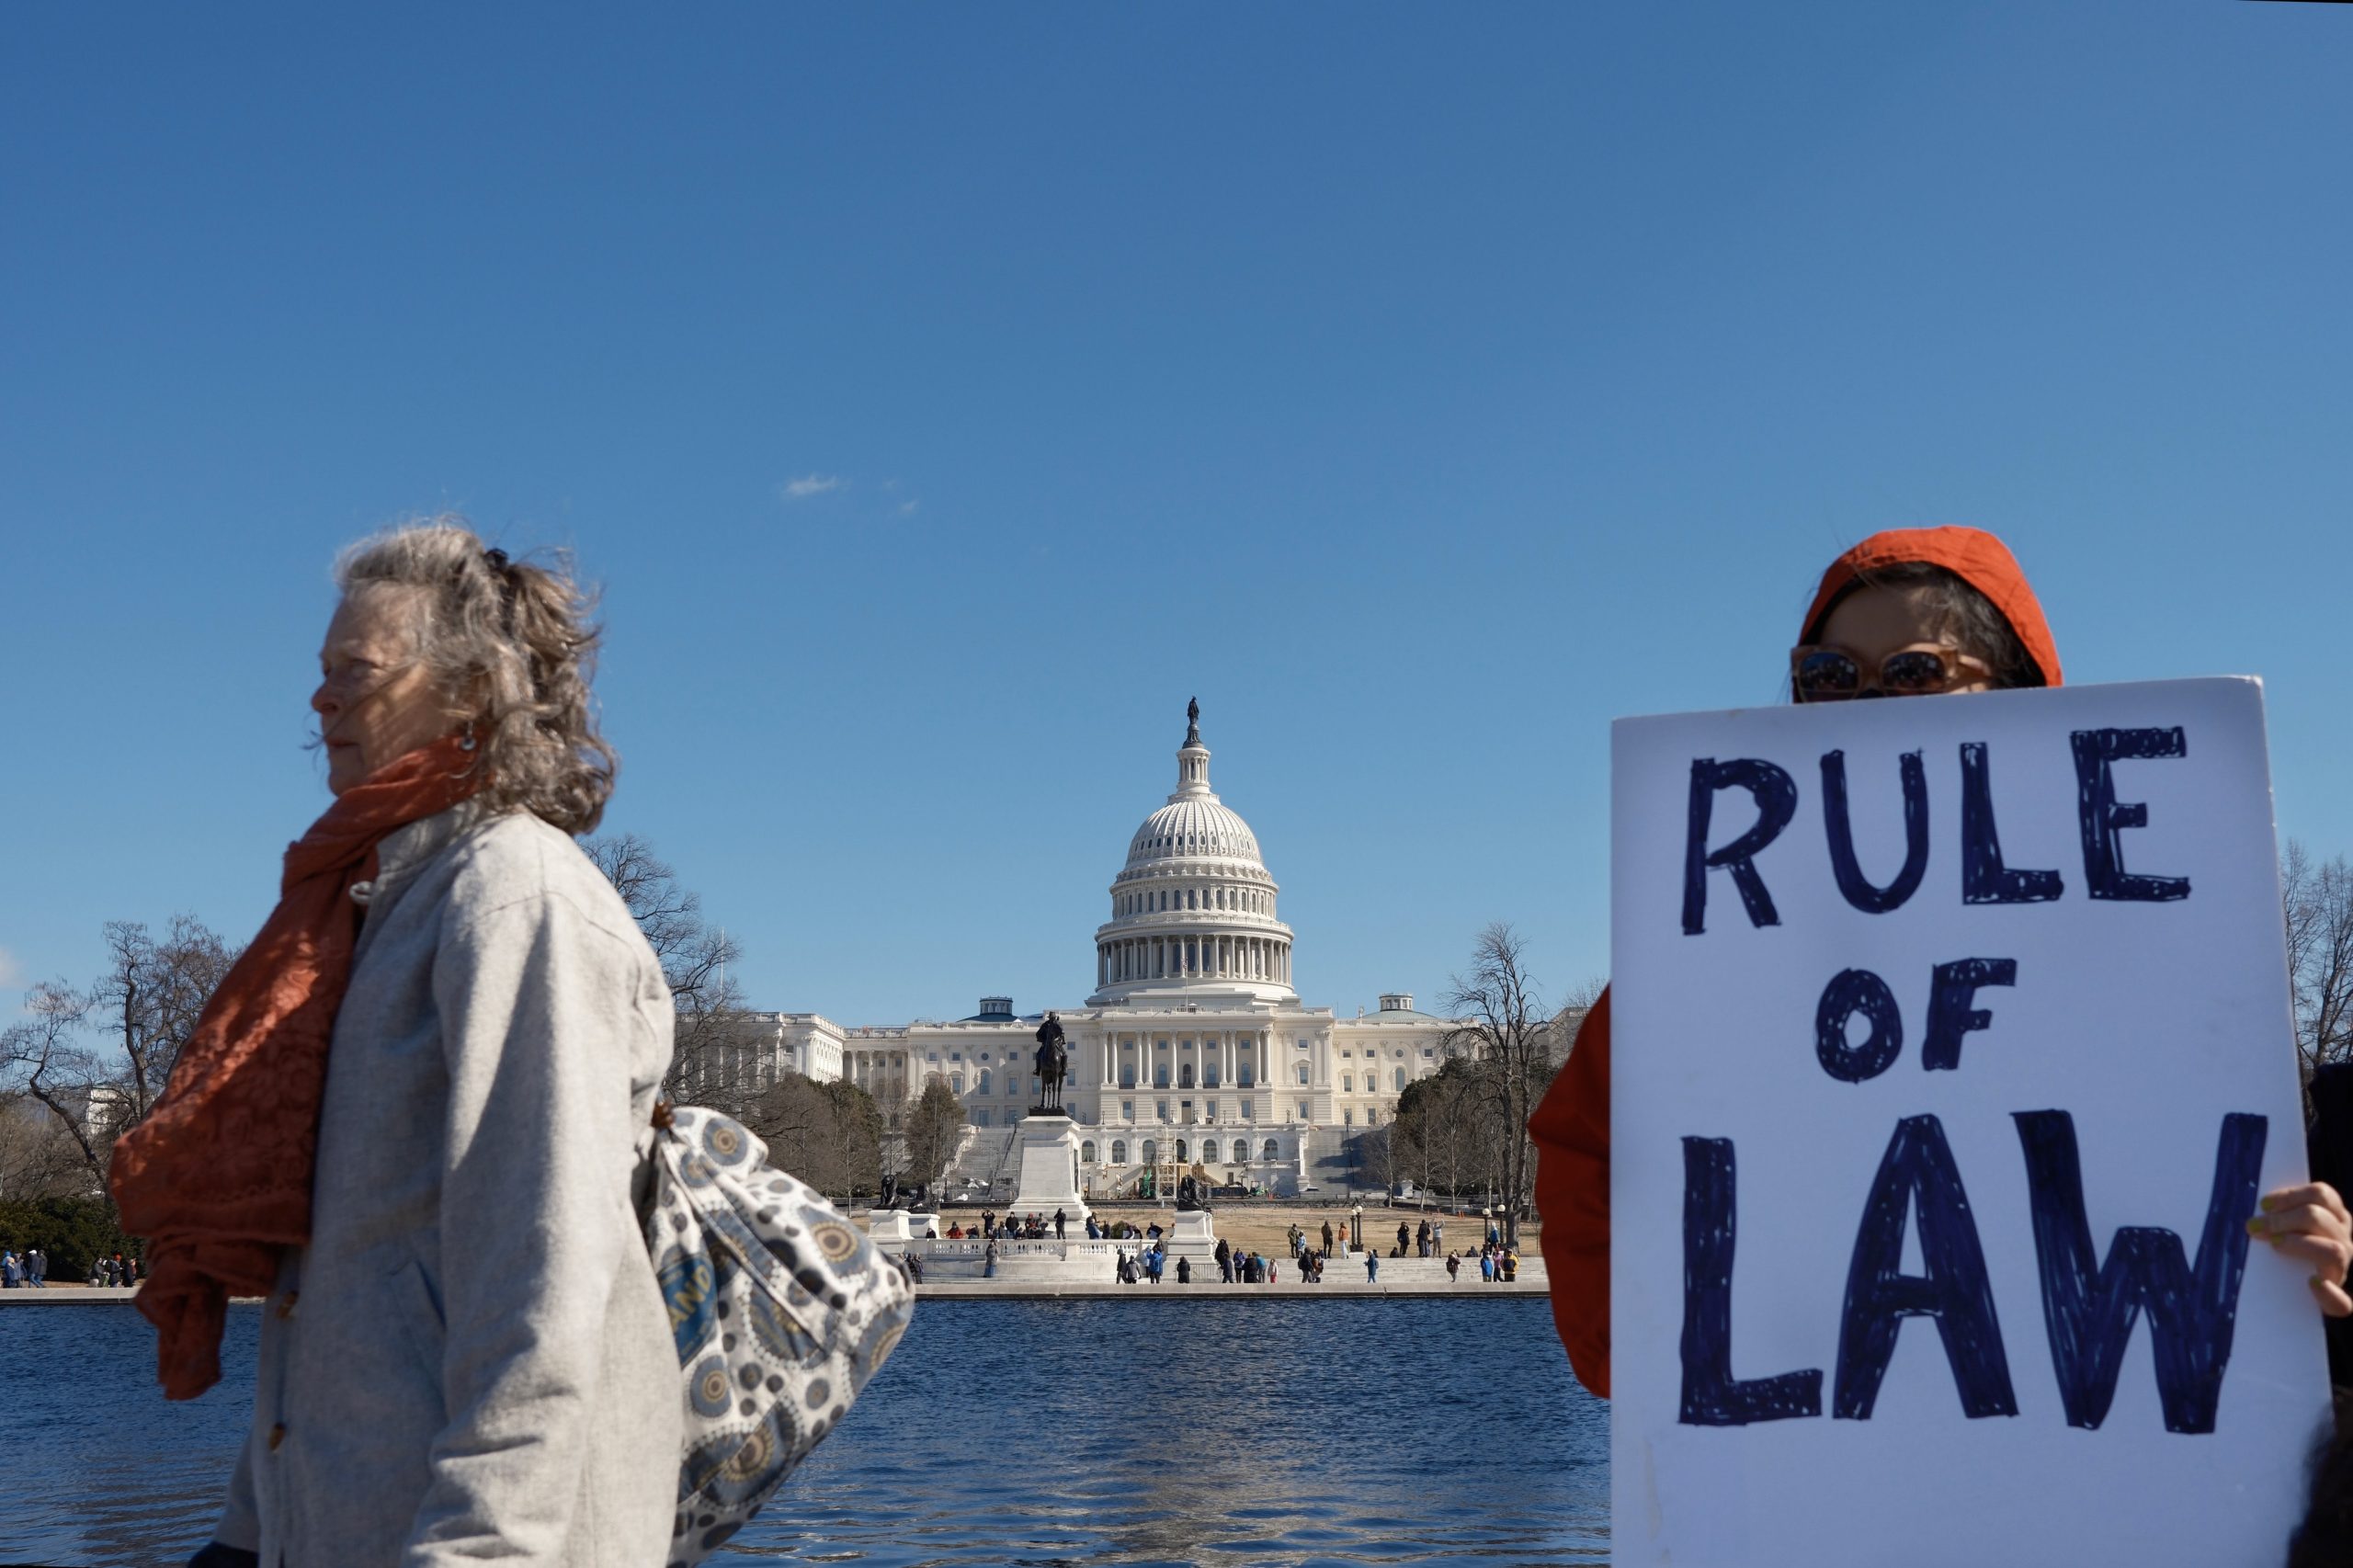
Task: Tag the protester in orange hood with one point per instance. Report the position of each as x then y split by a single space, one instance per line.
1912 612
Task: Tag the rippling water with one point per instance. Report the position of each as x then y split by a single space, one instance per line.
1325 1432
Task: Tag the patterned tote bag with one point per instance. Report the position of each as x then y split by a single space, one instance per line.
781 1309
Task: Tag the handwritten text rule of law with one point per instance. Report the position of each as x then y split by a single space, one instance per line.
1952 1049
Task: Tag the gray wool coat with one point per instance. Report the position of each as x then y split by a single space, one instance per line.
471 1361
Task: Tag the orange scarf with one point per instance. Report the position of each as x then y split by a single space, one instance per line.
218 1177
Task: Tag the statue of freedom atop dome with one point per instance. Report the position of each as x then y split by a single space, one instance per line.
1054 1066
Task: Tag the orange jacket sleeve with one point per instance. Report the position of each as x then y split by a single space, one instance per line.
1572 1132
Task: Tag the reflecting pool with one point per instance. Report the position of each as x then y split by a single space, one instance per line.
1027 1432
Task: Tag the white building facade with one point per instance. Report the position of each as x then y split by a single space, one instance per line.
1194 1046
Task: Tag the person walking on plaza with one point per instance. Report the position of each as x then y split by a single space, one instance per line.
1060 1219
37 1268
409 1114
1327 1238
1453 1267
1486 1264
1371 1265
1404 1238
1225 1255
8 1269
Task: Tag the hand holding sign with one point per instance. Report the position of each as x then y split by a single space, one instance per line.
2310 1224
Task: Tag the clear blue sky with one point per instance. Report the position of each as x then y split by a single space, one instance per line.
1420 387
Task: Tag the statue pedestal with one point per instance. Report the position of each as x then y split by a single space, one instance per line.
889 1231
1046 1171
1192 1236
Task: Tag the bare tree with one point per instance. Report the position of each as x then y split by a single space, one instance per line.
143 1008
934 1128
830 1135
43 1062
148 999
39 1157
2317 903
697 960
1439 1123
1504 1024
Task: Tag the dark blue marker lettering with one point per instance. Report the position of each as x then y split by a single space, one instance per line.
1952 1007
1777 802
1711 1395
2103 819
1917 1173
1839 824
1853 991
2088 1307
1984 878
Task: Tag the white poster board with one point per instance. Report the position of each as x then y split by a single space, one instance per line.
1831 1250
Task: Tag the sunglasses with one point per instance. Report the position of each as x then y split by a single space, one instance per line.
1830 675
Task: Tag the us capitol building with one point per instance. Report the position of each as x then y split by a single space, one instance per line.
1193 1046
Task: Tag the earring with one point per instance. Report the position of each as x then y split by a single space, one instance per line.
466 737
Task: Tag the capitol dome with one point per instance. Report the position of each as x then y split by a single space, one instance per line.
1193 909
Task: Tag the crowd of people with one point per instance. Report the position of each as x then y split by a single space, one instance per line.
29 1270
1025 1228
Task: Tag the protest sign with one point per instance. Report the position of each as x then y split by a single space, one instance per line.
1952 1050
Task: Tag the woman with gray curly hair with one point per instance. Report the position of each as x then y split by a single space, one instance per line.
411 1114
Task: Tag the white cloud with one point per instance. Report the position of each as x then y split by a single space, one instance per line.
12 974
808 484
907 508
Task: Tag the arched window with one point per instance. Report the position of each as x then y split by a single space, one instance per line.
1274 1149
1180 1152
957 1083
1118 1151
1401 1078
1208 1151
984 1081
1152 1151
1184 1077
1086 1151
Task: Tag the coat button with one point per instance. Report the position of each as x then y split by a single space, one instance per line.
276 1435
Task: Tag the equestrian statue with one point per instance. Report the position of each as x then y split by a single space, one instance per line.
1054 1066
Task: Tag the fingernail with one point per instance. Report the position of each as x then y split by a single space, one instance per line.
2269 1203
2256 1226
